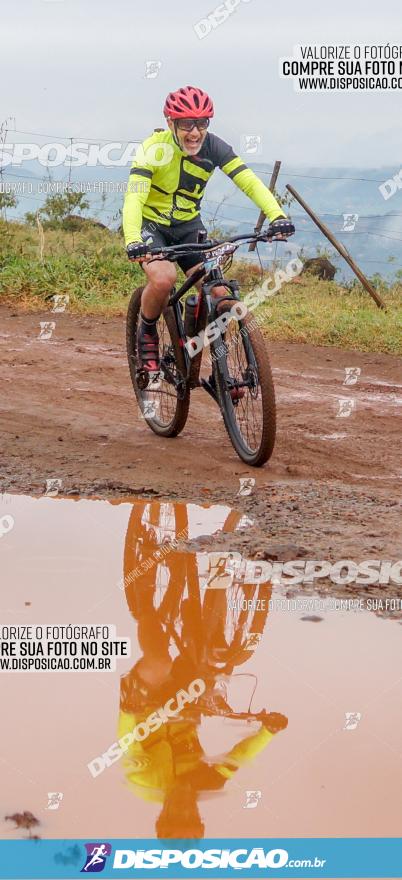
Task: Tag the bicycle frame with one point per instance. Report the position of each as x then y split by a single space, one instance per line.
213 278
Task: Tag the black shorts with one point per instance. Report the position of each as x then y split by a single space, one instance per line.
135 693
179 233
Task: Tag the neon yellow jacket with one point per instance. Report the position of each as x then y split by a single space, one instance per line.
167 186
152 766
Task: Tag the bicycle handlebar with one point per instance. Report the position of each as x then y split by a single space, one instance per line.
210 244
196 711
237 716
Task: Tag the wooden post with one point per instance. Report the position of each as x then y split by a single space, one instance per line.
260 221
339 247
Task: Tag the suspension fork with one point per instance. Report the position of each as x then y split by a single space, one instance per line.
217 280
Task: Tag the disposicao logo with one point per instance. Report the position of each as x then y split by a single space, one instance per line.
97 854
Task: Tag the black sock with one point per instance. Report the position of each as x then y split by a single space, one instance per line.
149 322
148 325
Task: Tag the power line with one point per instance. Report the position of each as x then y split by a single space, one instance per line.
68 137
216 218
111 140
384 262
29 196
319 177
305 216
311 231
381 235
22 176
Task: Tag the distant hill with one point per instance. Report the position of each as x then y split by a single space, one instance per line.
331 192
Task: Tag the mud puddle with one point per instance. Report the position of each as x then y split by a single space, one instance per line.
295 734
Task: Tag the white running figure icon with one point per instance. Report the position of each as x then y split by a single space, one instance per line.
221 570
96 853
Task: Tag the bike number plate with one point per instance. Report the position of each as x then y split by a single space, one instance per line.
217 256
211 264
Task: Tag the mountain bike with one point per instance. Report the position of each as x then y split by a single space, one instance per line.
212 631
241 379
219 628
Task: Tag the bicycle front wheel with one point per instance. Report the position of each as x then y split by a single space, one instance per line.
234 621
245 388
164 405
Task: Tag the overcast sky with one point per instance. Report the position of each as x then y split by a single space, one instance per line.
77 68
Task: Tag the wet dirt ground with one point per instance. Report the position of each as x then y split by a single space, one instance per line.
332 489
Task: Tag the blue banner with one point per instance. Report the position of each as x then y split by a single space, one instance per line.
220 857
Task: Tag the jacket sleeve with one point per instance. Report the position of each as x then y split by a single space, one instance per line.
138 188
253 187
244 752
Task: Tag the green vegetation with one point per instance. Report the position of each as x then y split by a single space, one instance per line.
7 200
90 266
57 209
323 313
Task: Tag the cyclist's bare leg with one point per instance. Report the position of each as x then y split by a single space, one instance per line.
161 275
155 664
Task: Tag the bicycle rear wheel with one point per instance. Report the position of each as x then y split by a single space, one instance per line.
165 408
245 389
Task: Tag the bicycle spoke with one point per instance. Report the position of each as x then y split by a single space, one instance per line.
248 410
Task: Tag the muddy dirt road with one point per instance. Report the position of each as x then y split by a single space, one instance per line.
332 489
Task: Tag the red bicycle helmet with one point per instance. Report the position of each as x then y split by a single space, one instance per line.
188 102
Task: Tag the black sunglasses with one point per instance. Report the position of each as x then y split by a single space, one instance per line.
188 124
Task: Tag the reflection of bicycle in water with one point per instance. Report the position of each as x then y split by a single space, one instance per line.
210 614
186 631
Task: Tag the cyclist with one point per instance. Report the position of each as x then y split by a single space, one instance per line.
163 200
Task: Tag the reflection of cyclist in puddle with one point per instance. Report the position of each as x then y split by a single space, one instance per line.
170 765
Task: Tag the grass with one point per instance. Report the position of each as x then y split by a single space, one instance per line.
90 266
323 313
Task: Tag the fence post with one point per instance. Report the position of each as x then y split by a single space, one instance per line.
339 247
260 221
